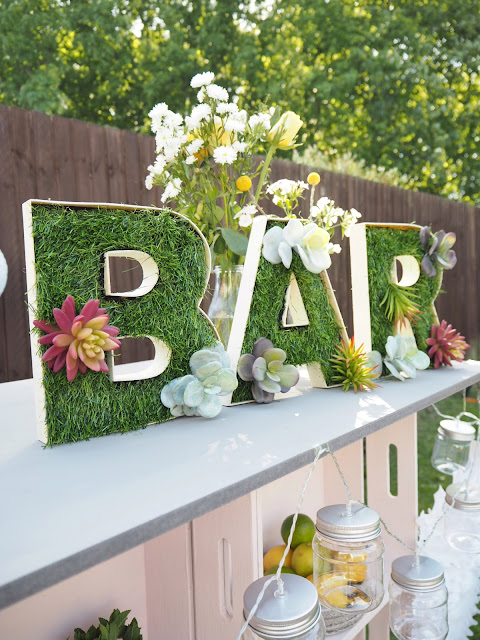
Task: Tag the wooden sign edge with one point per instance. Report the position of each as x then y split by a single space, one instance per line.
37 366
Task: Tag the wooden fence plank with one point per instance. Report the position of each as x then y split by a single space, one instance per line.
116 165
63 150
16 322
44 159
8 243
81 159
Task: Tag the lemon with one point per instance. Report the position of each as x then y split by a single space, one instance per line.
302 559
274 555
273 570
329 581
337 599
353 572
304 530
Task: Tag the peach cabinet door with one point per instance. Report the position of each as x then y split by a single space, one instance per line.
400 511
226 559
169 585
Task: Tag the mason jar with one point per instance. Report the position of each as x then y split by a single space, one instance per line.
294 614
452 446
348 558
418 599
462 523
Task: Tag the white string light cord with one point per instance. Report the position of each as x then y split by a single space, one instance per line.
463 485
277 576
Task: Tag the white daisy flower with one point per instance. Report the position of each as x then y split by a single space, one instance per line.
224 155
239 146
173 120
232 124
149 181
245 215
259 119
333 248
195 146
171 190
324 202
190 159
216 92
227 107
202 79
201 95
199 113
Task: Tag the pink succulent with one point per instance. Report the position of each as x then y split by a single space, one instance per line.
79 341
446 345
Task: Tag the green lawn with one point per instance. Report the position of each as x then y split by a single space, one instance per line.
428 477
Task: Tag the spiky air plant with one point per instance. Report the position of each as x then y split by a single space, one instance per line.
351 367
438 251
79 341
265 369
446 344
400 306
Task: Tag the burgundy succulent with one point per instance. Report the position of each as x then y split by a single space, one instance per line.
446 345
78 341
264 368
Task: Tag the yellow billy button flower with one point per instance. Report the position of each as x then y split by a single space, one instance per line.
243 183
313 178
287 128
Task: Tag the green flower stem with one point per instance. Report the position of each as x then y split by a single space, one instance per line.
261 180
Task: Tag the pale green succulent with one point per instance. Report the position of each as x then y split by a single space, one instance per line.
198 394
403 357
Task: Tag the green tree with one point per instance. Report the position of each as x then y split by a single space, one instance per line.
394 83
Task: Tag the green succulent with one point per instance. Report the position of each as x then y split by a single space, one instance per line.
265 369
199 394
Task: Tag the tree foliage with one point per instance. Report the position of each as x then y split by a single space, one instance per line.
396 83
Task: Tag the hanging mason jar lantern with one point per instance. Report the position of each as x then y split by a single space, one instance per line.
293 615
452 446
418 599
462 523
348 558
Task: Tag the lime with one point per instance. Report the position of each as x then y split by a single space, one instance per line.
302 560
274 555
304 530
273 570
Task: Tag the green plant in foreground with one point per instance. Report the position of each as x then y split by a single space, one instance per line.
399 304
351 367
112 629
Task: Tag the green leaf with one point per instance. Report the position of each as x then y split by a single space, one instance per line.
218 213
220 245
235 240
133 631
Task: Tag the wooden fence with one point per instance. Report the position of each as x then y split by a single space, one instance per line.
52 157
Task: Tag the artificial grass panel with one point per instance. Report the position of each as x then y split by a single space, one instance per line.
303 345
383 244
69 250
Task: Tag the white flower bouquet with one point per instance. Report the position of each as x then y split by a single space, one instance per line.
205 163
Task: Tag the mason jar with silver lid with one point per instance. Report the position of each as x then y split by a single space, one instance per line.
452 446
418 599
293 615
348 558
462 523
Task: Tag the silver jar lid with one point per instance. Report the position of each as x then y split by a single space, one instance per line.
363 523
294 613
424 577
464 501
456 430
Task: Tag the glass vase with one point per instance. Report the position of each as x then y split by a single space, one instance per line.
224 300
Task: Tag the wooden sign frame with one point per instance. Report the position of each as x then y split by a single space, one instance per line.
245 296
30 261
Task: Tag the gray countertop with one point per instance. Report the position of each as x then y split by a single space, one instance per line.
67 508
